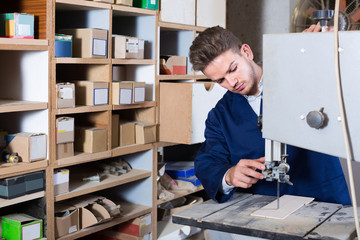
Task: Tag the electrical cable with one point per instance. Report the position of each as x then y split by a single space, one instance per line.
343 117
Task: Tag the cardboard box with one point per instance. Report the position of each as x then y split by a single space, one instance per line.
119 73
91 93
61 181
138 227
128 47
91 140
63 45
173 65
145 133
64 150
139 92
65 129
115 130
34 182
122 93
88 42
65 95
114 235
29 146
66 223
21 226
127 133
17 25
149 4
12 187
124 2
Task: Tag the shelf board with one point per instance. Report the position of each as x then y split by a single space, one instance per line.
134 105
181 77
119 151
81 157
80 5
8 105
181 194
121 10
24 44
130 211
25 198
133 61
65 60
14 169
83 109
179 27
78 187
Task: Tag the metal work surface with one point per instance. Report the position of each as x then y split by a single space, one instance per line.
317 220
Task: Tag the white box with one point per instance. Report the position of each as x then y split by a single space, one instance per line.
178 11
29 146
211 13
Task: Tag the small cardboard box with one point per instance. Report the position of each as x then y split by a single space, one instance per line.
114 235
65 129
61 181
21 226
92 93
124 2
119 73
64 150
34 182
173 65
91 140
12 187
66 223
122 93
145 132
138 227
17 25
65 95
149 4
139 92
29 146
63 45
127 133
128 47
115 130
88 42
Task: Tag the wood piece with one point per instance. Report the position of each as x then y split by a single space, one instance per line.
287 205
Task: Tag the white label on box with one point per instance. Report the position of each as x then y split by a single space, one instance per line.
23 30
139 94
132 45
31 232
99 47
66 126
72 229
66 93
61 177
101 96
153 2
141 44
38 147
145 221
125 96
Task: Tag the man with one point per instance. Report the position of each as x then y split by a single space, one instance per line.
232 155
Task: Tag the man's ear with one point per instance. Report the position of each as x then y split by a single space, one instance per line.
246 50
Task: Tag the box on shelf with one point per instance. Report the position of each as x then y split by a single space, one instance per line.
139 92
65 95
64 150
128 47
61 181
149 4
29 146
173 65
119 73
145 132
178 11
92 93
127 133
115 130
124 2
63 45
12 187
138 227
66 220
180 169
88 42
17 25
193 179
122 92
34 182
91 140
21 226
65 129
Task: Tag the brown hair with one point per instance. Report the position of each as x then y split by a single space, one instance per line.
210 44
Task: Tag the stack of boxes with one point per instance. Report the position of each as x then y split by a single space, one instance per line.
183 171
65 128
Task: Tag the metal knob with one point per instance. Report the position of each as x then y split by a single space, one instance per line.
316 119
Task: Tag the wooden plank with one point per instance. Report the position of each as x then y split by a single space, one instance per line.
25 198
21 105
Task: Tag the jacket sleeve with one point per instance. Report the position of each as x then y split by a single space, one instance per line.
212 160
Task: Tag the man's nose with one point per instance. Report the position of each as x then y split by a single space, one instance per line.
231 81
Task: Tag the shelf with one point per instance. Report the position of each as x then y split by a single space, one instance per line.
83 109
133 61
20 106
121 10
81 157
23 44
181 194
181 77
78 187
79 5
130 211
180 27
25 198
119 151
134 105
82 60
14 169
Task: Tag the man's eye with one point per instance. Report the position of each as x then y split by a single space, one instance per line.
233 69
219 81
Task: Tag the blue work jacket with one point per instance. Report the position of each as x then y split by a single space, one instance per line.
231 134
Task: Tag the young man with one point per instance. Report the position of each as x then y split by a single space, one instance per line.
232 155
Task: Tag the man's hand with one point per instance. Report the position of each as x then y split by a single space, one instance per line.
244 173
317 28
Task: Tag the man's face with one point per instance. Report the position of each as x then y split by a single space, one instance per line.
234 71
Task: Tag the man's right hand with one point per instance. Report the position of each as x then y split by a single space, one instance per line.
244 173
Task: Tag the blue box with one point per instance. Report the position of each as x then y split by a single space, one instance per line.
193 179
180 169
63 45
